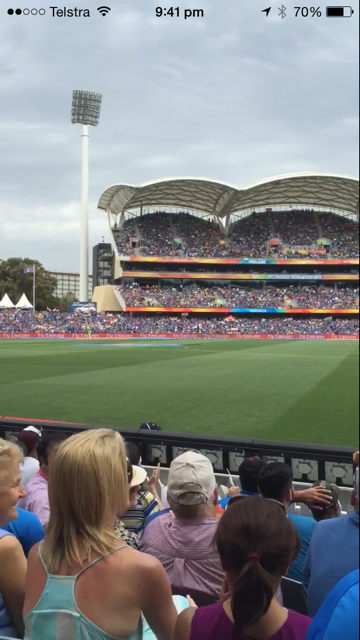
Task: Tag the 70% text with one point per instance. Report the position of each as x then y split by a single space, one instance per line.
305 12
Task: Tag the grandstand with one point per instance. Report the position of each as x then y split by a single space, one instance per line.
287 245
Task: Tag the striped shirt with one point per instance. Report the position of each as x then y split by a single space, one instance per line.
187 552
126 536
37 499
134 519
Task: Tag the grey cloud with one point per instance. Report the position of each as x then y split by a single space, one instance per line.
234 96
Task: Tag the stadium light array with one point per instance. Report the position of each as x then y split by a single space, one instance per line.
85 110
86 107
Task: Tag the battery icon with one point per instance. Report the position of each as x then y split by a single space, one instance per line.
339 12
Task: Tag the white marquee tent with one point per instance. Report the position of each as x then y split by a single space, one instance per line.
24 303
6 303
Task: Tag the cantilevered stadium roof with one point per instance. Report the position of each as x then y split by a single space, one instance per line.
299 189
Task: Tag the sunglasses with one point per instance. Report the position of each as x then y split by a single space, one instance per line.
130 472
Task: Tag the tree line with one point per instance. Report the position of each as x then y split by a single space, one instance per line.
15 282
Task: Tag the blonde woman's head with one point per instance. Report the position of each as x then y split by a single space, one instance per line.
10 481
88 490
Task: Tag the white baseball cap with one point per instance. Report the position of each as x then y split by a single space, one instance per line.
34 430
191 479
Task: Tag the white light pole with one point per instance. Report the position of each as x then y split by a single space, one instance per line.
85 110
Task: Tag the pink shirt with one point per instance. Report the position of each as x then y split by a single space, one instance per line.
187 551
37 499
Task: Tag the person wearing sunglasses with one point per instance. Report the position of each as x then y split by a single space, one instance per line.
82 582
143 503
136 476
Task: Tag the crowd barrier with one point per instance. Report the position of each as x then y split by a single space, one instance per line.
309 463
171 336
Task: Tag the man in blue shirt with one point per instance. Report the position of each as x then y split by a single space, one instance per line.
249 472
333 554
27 529
276 483
333 510
340 611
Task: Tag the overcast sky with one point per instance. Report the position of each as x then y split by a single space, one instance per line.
233 96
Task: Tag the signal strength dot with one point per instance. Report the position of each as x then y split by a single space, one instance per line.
104 11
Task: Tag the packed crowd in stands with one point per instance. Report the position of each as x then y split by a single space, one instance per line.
238 298
343 234
184 235
305 253
150 235
201 238
157 234
124 237
251 236
296 228
64 323
91 549
55 322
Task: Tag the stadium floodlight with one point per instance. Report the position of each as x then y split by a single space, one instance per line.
85 110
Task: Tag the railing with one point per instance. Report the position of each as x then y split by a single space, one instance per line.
309 463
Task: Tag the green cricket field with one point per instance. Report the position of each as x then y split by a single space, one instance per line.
304 391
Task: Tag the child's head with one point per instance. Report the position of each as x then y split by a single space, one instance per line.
257 544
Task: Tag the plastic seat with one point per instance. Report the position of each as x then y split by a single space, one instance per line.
294 596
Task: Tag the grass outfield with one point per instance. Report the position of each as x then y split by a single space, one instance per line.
273 390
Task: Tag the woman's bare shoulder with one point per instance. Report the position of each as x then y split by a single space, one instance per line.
9 543
138 565
11 555
9 548
130 558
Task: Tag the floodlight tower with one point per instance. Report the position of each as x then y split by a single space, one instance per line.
85 110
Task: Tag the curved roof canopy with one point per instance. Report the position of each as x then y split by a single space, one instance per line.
300 189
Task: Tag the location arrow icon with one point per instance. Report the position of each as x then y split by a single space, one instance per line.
267 11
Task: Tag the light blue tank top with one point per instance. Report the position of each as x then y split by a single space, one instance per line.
7 629
57 615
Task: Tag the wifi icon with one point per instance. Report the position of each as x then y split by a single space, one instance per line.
104 10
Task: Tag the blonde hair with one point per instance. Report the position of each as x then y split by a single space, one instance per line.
87 481
9 453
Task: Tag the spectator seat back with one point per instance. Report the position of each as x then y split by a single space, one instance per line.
294 596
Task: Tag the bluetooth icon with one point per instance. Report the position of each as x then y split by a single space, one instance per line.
282 13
